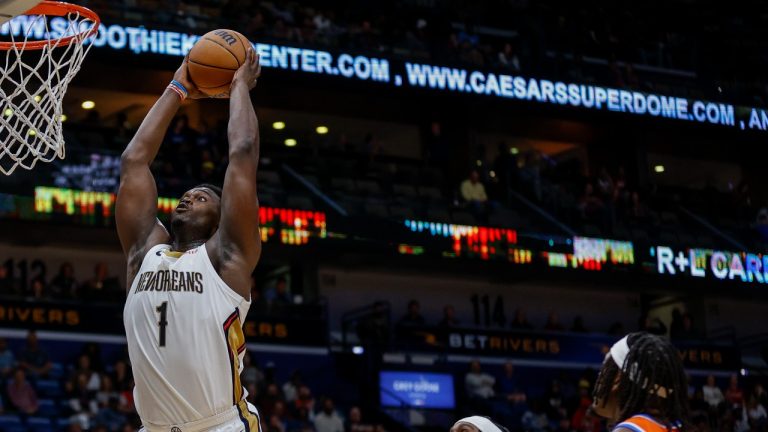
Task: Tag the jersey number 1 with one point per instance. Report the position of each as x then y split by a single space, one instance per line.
162 310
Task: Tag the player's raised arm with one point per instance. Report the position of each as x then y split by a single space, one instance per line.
136 206
239 242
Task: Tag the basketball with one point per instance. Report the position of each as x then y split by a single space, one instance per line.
214 59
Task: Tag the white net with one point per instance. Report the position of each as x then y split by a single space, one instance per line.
33 83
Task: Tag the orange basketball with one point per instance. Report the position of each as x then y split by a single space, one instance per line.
214 59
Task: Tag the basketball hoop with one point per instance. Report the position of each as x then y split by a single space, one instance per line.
40 61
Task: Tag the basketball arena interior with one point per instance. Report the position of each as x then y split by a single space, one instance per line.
462 206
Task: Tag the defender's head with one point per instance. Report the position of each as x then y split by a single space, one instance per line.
196 216
642 373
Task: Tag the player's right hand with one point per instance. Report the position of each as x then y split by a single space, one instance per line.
182 76
250 71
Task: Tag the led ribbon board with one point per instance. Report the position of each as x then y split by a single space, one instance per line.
291 227
141 40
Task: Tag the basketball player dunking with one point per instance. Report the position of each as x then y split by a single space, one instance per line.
191 287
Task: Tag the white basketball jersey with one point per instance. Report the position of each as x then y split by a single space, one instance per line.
185 338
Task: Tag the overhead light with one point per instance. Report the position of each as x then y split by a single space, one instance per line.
492 174
278 125
321 130
8 112
88 104
659 168
479 162
290 142
63 117
358 350
38 98
514 150
32 132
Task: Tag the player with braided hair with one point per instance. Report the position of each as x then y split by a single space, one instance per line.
642 386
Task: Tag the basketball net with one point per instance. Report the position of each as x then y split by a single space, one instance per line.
38 67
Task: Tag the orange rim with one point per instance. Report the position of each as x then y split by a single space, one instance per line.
55 8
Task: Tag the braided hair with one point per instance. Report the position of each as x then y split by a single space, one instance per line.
651 379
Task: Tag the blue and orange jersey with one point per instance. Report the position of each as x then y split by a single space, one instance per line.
646 423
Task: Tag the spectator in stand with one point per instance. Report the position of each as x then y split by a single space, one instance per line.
758 418
291 387
34 359
581 420
109 416
760 394
80 401
761 225
553 323
479 385
413 317
509 387
121 376
84 368
474 195
712 393
7 360
328 420
652 325
508 59
101 286
734 395
304 400
21 395
251 374
93 352
355 422
106 392
520 322
449 318
590 205
278 296
578 325
535 419
268 400
37 290
277 421
6 283
64 285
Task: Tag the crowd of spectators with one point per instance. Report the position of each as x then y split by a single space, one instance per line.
681 324
101 286
564 405
91 394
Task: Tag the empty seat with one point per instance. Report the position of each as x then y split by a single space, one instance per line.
376 209
668 238
464 218
368 186
268 177
49 388
432 193
404 190
438 215
640 235
592 230
505 219
343 184
299 202
47 408
40 424
401 212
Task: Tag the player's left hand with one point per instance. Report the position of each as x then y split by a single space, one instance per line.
250 71
182 76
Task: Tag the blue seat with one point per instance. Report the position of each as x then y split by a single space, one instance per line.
40 424
57 370
7 421
49 388
47 408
